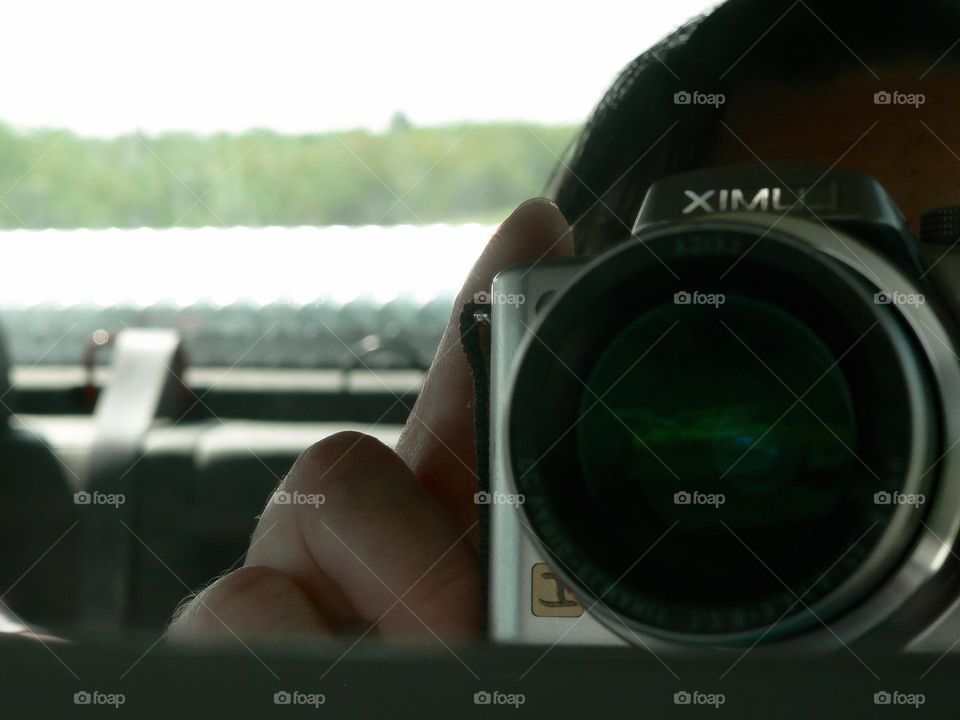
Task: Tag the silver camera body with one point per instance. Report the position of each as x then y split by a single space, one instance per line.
535 598
529 602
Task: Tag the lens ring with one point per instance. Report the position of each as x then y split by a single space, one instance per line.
572 319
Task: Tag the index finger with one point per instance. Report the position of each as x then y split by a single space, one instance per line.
437 442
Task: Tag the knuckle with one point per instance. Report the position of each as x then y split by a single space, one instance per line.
206 612
254 580
341 458
241 603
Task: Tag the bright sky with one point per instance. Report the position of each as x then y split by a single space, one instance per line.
103 67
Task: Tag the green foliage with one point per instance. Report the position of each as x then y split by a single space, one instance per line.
454 173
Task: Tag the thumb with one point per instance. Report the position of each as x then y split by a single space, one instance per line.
437 442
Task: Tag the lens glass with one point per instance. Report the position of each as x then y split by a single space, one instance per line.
727 421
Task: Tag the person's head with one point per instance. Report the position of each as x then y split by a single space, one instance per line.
798 80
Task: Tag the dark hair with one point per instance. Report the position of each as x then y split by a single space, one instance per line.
638 134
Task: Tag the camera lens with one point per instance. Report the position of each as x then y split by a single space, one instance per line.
697 431
708 450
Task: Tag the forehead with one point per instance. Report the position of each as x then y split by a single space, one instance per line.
911 145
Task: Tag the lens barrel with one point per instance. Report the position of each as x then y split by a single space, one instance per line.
724 433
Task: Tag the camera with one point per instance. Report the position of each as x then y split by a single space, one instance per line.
740 426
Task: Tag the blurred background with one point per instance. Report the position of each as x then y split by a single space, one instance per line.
118 116
388 121
228 230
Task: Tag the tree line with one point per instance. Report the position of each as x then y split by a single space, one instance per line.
454 173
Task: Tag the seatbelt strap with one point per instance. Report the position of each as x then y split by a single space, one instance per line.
144 384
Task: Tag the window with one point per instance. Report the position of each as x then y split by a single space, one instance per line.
304 170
